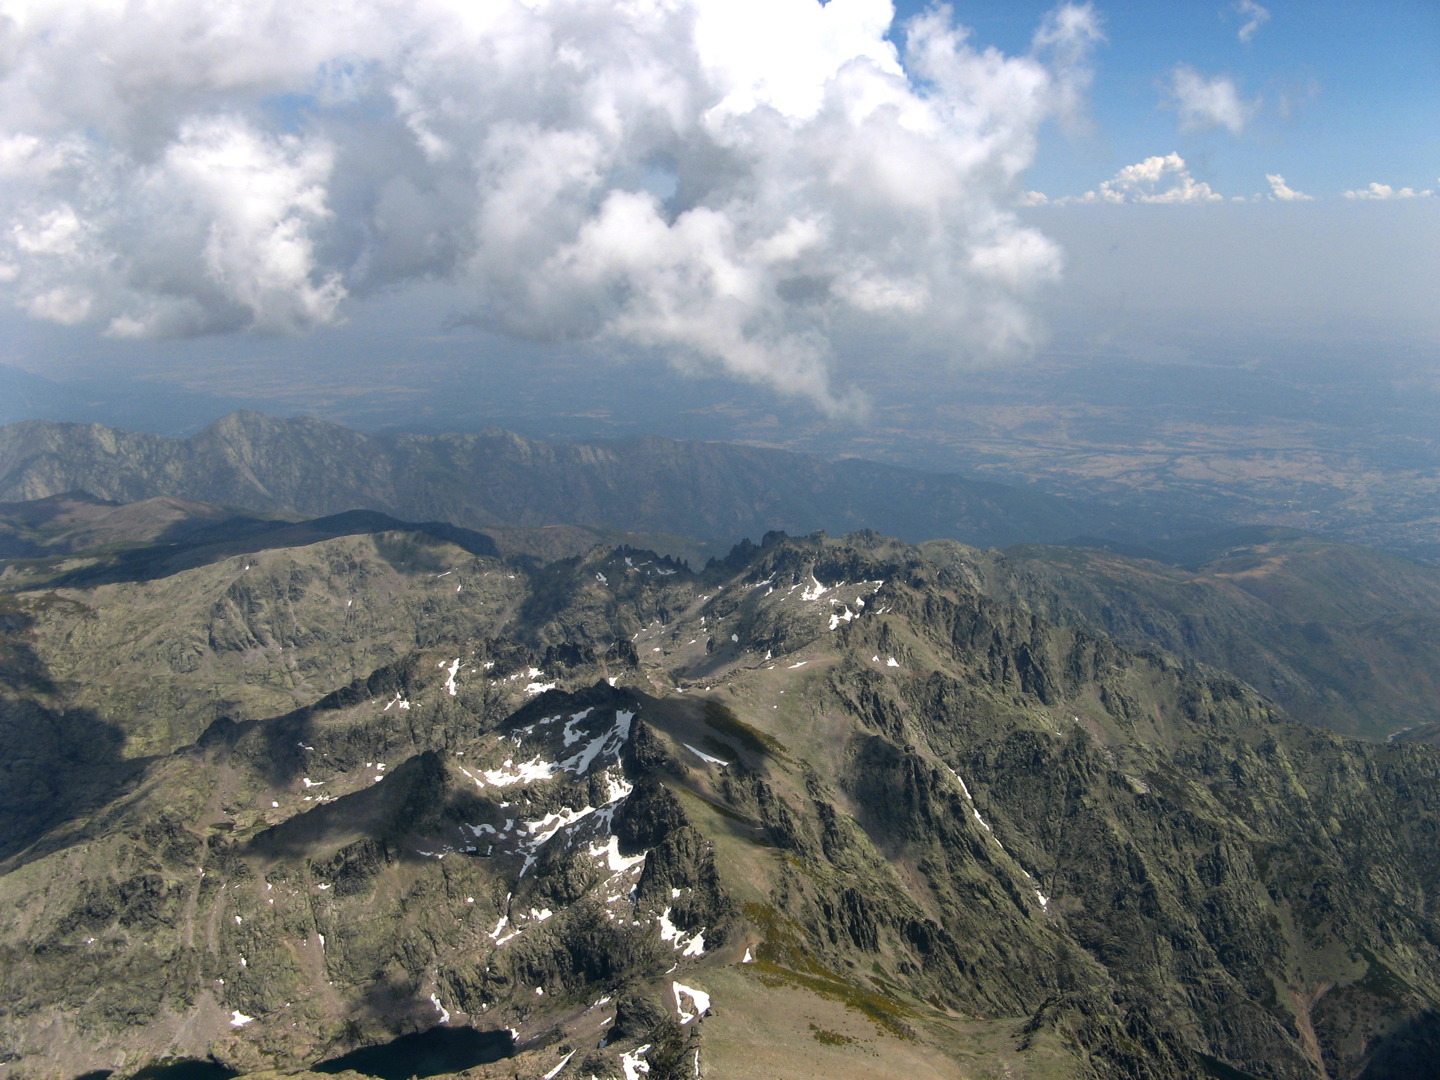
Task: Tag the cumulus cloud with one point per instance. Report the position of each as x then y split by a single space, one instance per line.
1385 191
1209 103
1254 15
1284 192
723 181
1160 179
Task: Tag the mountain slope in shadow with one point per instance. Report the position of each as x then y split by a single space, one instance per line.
710 493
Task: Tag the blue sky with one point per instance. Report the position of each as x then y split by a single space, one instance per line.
1346 94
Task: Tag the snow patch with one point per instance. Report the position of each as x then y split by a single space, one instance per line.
616 787
695 946
618 863
971 800
699 999
237 1018
563 1062
704 756
444 1016
525 773
814 590
618 735
633 1064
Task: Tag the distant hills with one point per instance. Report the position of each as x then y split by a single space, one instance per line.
686 497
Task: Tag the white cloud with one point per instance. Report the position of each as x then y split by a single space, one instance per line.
1159 179
719 180
1385 191
1066 37
1208 103
1254 16
1284 192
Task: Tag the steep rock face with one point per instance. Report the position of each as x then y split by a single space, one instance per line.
828 794
707 492
1344 637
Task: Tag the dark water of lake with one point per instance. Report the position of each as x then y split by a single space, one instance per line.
425 1053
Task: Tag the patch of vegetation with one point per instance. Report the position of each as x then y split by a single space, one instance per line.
783 958
1382 981
887 1015
716 746
721 719
829 1038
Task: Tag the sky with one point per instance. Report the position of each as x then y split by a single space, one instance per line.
1331 97
756 190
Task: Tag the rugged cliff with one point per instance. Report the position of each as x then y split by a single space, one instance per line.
1346 637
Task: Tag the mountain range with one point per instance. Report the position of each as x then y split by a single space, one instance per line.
350 794
698 497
